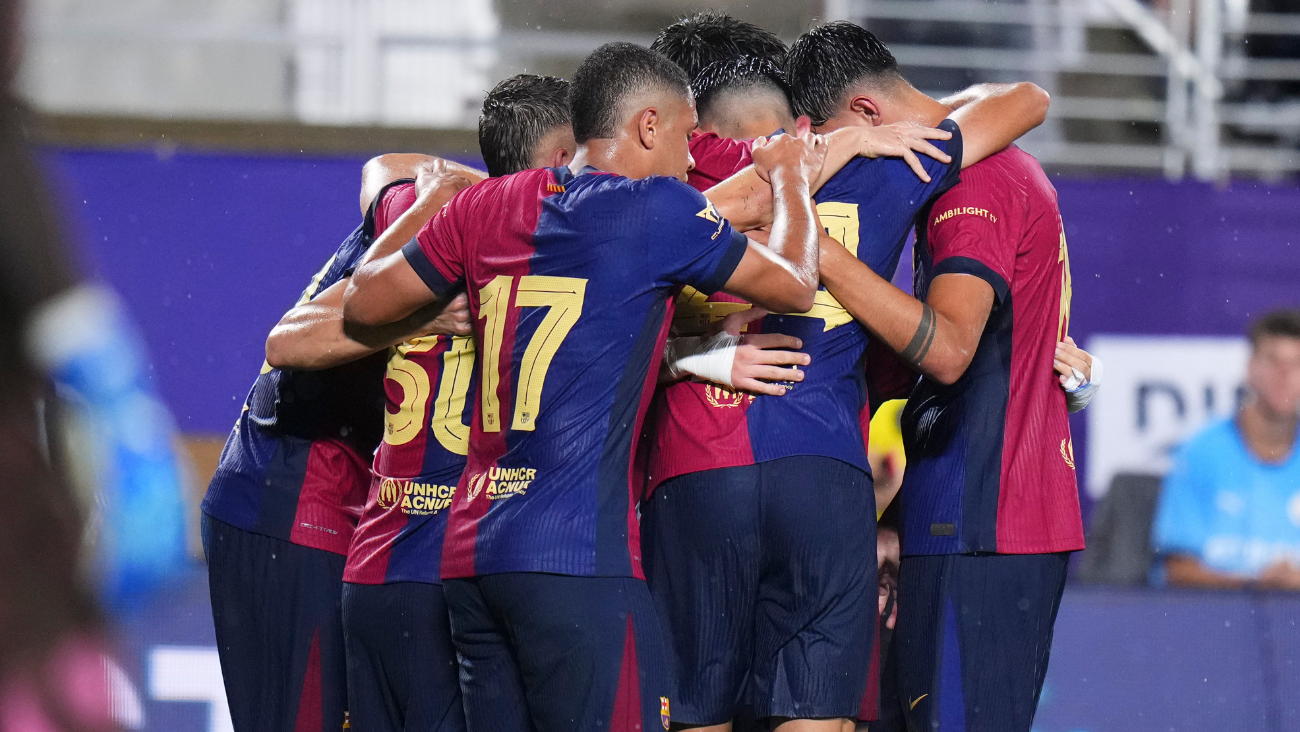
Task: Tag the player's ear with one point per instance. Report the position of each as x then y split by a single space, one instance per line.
561 157
649 125
866 107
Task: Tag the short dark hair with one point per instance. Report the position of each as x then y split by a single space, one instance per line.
608 76
1278 323
738 74
705 38
826 61
517 114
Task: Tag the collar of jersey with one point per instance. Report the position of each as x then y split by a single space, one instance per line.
563 174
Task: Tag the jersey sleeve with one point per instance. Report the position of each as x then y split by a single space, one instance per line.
1182 514
393 202
687 239
437 253
968 233
914 192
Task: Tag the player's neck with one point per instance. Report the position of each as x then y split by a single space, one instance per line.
912 105
607 156
1270 436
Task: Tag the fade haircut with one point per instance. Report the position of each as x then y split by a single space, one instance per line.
742 74
705 38
1277 324
517 114
826 62
610 75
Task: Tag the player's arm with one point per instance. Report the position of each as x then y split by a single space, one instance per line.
883 141
782 276
385 291
992 116
426 270
745 199
312 335
937 337
381 170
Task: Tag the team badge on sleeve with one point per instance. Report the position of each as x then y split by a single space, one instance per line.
664 716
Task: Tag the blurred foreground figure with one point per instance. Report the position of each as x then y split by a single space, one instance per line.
85 343
1229 514
52 668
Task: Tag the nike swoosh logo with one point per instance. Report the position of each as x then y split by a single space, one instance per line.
916 701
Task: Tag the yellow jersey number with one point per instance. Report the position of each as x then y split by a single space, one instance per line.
445 423
563 296
695 314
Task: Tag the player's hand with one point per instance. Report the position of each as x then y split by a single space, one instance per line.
904 141
888 553
801 156
1069 358
454 320
434 175
762 358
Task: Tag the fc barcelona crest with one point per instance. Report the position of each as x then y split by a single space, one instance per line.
722 397
664 716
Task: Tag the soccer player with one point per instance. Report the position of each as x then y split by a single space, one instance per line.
990 505
774 495
402 672
283 503
569 272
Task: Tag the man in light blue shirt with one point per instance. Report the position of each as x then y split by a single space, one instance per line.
1229 514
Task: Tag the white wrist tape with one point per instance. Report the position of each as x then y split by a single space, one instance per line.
1078 395
710 358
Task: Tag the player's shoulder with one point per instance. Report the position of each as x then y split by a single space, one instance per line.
392 202
525 182
993 180
502 193
660 192
1010 166
859 180
709 144
701 142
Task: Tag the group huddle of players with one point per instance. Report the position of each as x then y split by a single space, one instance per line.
616 389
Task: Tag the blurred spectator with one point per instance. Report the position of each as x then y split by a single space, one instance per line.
1229 514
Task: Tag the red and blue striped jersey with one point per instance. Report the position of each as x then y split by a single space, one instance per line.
295 466
869 207
427 396
569 281
990 466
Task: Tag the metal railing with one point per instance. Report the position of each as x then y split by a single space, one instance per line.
1198 50
1173 97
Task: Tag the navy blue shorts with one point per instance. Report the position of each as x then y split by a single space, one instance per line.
402 670
553 653
277 611
971 643
766 578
